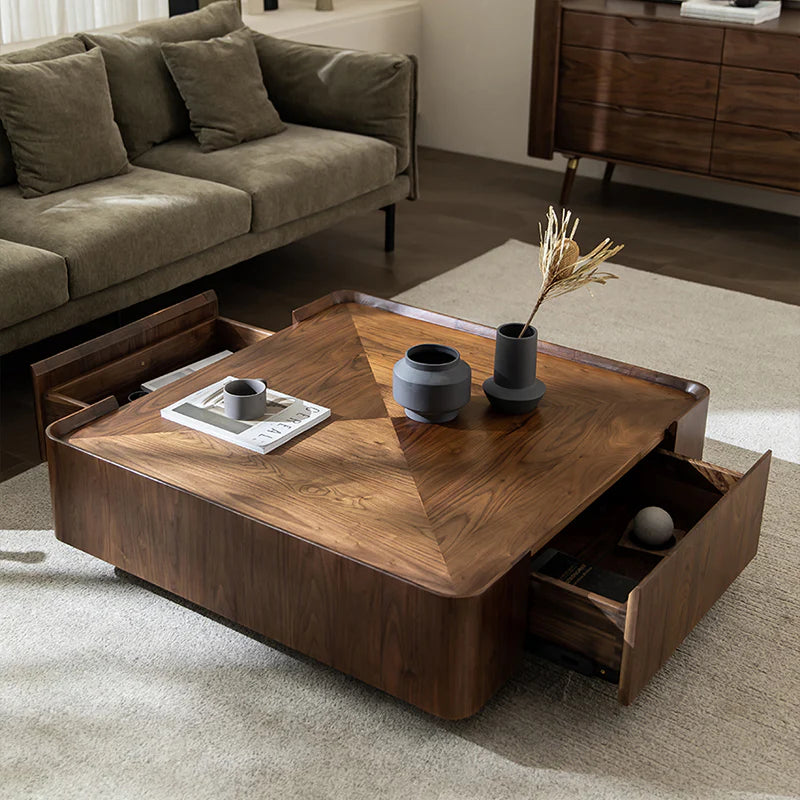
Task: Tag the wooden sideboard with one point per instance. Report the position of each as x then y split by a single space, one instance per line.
635 83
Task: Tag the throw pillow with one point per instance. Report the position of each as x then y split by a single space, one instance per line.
147 106
59 120
61 47
220 82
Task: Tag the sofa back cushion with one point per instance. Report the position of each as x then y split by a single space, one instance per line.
44 52
368 93
59 120
147 105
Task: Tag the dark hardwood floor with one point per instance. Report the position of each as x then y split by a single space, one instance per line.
468 206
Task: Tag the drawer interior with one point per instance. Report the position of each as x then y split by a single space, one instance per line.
125 375
572 621
117 363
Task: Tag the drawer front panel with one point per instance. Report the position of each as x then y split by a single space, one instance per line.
675 596
762 51
643 36
635 81
756 97
646 138
762 156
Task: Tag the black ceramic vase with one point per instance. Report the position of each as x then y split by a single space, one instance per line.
432 383
514 387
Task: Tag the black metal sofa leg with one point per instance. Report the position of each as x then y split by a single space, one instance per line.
388 234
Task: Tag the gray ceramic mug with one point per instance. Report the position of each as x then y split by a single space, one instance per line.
245 398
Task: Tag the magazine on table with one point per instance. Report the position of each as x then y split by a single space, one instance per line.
285 418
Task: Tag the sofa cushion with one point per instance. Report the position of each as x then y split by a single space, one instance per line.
61 47
59 120
147 105
296 173
116 229
369 93
220 82
32 281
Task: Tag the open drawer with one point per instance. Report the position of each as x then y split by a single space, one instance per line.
717 516
117 363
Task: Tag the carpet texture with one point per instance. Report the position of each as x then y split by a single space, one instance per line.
108 689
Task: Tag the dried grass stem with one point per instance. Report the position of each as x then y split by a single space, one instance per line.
563 268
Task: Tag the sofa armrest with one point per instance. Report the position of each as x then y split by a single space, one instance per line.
374 94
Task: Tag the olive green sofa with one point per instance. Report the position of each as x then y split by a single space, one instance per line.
178 213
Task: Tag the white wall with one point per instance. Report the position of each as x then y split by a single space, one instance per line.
392 26
475 72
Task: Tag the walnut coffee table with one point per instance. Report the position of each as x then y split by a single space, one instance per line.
395 551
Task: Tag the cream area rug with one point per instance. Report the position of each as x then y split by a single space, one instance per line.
108 689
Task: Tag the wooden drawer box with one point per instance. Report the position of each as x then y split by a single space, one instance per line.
757 155
640 82
117 363
628 641
642 36
762 51
759 98
640 136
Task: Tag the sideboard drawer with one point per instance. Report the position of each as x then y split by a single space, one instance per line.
757 97
626 134
117 363
650 83
762 51
757 155
643 36
627 640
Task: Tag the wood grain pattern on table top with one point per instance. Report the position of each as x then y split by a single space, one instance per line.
448 507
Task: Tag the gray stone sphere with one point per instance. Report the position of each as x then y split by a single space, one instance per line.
653 526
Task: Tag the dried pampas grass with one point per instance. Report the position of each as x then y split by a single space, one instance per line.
563 267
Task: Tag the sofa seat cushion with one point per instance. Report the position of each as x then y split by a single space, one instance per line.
32 281
112 230
297 172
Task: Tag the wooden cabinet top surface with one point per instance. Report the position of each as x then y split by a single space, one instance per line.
447 507
787 23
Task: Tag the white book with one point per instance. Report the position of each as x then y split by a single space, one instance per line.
285 418
171 377
725 11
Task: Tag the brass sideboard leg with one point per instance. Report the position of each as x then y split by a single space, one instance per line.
388 235
608 173
569 178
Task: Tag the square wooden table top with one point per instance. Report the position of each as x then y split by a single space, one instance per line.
447 507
